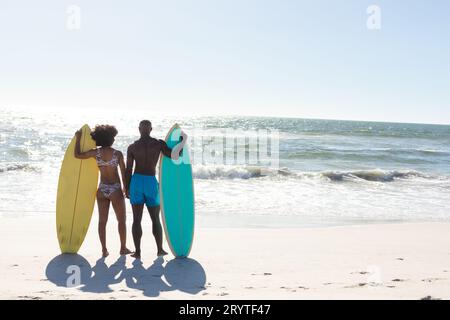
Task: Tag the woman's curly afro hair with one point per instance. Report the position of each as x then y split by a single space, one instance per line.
104 135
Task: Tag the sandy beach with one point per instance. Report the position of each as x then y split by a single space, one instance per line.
313 154
384 261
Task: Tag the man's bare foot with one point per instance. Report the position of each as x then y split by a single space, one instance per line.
105 253
136 255
161 253
125 251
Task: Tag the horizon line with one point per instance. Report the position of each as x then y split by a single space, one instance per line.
248 115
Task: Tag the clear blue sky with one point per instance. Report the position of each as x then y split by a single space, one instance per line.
314 59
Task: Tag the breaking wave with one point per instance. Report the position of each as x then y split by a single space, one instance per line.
249 172
17 167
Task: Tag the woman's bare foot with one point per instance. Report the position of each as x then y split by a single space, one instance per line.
125 251
136 255
161 253
105 253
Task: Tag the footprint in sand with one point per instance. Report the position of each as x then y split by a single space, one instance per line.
359 272
430 298
264 274
400 259
222 294
293 289
398 280
327 283
363 284
29 298
432 279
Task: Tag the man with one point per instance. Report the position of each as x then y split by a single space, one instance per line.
142 187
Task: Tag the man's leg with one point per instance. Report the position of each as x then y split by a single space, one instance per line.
137 229
157 228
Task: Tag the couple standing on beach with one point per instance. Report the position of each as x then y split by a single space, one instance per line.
141 187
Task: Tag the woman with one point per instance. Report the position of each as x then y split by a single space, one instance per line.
110 187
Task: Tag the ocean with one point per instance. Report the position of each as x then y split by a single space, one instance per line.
328 172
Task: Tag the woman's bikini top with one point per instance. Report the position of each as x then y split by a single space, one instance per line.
114 162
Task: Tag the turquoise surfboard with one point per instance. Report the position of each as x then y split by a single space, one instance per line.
177 197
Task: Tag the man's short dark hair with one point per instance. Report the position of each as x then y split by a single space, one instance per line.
145 123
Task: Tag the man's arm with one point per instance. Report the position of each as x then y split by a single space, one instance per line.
129 169
174 153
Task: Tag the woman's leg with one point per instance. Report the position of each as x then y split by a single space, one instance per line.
118 202
103 210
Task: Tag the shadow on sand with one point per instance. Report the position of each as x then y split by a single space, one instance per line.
73 270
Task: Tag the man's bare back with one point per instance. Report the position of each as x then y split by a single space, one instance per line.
145 154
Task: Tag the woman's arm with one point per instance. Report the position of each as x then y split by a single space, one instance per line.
123 172
129 170
82 155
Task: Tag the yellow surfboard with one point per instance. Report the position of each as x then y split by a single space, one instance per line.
75 200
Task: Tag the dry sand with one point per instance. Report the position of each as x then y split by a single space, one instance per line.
390 261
